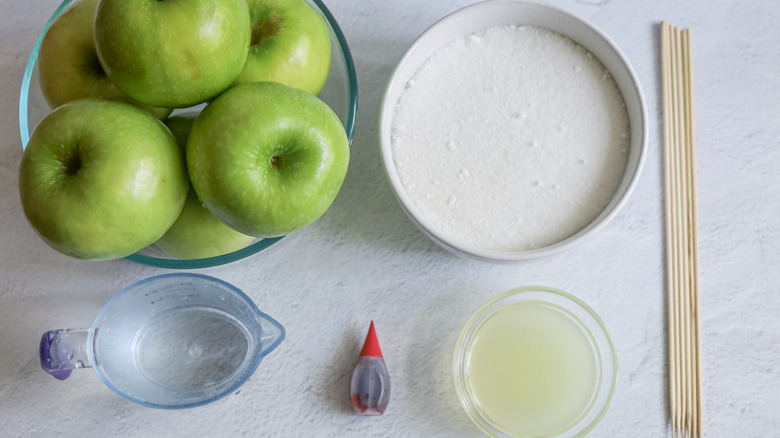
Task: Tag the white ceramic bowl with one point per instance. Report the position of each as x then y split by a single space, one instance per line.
508 12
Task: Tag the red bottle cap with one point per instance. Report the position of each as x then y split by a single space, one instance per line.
371 346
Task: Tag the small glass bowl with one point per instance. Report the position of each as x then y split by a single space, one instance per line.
576 312
340 93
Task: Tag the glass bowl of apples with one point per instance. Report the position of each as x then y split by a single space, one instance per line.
269 18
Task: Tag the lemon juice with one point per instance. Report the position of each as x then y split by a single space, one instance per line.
532 369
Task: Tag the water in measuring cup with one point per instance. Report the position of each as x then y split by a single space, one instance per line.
191 349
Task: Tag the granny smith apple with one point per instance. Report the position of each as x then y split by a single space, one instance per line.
290 44
267 159
197 233
172 53
101 179
68 66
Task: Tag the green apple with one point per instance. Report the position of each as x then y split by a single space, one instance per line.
101 179
290 45
68 66
267 159
197 233
172 53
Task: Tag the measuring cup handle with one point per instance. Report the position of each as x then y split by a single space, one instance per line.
63 351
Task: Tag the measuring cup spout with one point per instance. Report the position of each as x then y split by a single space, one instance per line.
64 350
271 333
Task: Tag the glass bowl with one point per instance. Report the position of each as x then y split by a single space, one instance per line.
479 16
340 93
557 398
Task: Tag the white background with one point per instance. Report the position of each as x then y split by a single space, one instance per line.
365 260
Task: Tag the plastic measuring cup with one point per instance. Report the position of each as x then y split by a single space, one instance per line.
171 341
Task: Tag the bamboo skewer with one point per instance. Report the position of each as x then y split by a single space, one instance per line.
696 321
670 231
682 255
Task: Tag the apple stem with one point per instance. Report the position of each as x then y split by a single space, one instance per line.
266 27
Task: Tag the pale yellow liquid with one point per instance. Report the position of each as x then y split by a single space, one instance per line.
532 369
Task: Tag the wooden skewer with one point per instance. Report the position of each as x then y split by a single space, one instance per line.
679 259
682 255
676 233
684 235
696 361
670 229
685 213
671 307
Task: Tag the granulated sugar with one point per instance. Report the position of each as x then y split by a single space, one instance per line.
512 138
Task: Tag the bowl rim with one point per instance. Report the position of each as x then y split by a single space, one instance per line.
628 182
260 245
491 306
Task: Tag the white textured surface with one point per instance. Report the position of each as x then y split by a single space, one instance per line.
364 260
